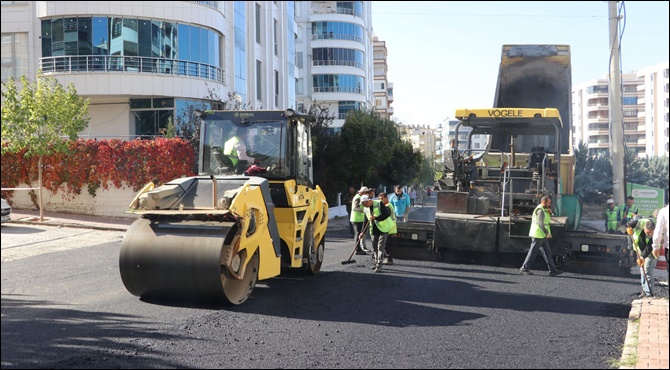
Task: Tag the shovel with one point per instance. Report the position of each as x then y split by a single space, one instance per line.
358 240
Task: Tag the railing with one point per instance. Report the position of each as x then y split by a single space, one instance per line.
346 63
336 36
329 10
130 64
342 89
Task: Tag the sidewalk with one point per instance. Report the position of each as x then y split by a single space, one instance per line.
646 345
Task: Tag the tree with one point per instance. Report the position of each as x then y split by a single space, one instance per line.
41 117
373 152
593 176
327 168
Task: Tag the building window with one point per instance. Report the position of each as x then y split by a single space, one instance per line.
258 23
345 107
276 88
129 44
337 57
337 31
259 74
299 90
151 116
275 36
14 55
630 100
338 83
298 59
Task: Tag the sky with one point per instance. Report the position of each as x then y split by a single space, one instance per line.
444 55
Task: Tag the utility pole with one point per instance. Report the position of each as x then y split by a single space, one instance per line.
616 122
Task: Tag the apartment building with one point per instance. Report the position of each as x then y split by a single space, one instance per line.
144 64
644 112
334 54
446 132
383 90
422 137
654 101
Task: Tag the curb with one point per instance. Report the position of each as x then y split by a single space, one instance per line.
76 226
629 353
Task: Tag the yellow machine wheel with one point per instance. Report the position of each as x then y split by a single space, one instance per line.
312 251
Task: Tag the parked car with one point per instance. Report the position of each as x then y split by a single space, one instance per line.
6 211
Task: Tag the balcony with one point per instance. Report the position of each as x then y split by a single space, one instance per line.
320 7
131 65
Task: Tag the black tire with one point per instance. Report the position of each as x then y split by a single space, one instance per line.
313 252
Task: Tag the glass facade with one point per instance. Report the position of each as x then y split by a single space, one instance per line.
130 44
630 100
337 31
240 53
344 107
291 54
152 116
350 7
337 57
338 83
14 55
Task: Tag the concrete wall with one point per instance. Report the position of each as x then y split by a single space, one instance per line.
111 202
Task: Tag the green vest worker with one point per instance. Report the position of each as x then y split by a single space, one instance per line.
611 214
236 150
358 219
540 232
379 216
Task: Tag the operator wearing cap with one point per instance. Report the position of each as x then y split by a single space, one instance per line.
611 213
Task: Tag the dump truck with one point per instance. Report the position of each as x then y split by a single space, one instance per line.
212 236
485 196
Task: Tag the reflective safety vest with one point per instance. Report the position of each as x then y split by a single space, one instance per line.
611 218
357 214
394 228
535 230
229 149
638 232
626 213
383 226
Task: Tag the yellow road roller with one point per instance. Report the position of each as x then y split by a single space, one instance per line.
251 210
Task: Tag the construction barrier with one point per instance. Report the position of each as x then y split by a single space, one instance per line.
660 264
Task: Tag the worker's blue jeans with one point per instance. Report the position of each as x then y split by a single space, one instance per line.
649 267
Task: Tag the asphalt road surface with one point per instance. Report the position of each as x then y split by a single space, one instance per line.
64 306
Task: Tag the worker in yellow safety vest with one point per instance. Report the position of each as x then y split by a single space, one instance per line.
379 217
641 231
611 214
540 232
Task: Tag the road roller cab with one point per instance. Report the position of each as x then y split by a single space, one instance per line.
241 220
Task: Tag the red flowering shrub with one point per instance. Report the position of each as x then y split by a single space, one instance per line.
95 163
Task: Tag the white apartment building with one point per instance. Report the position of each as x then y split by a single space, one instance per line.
145 63
654 100
644 112
446 131
334 54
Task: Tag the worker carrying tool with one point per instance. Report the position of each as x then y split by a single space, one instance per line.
641 232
